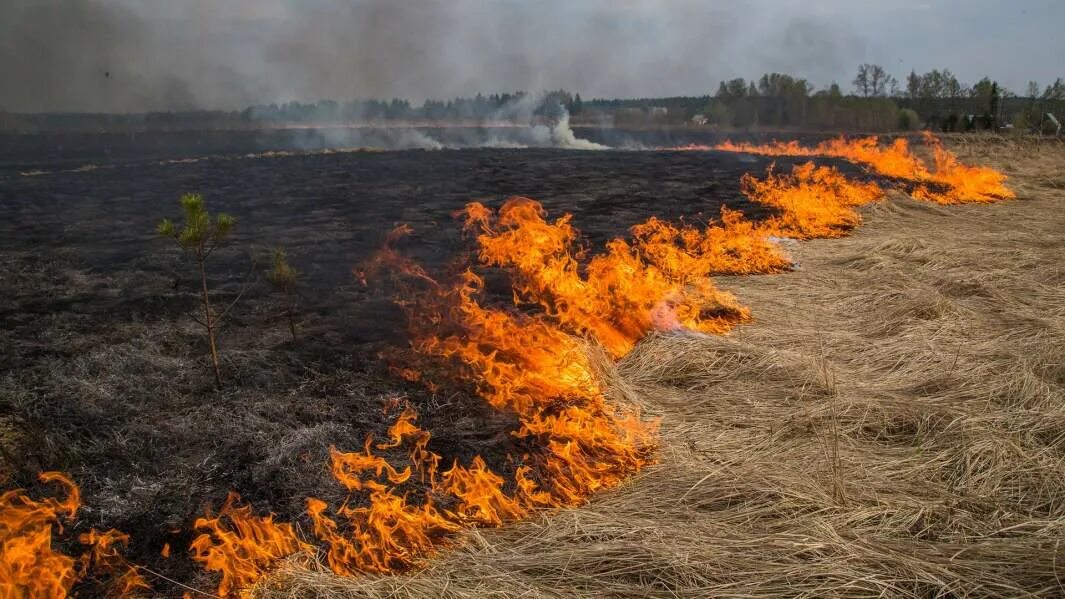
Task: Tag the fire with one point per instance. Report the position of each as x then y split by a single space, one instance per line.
31 567
240 545
812 202
530 359
480 495
947 181
536 367
733 246
388 535
104 556
530 365
347 467
391 533
613 299
962 183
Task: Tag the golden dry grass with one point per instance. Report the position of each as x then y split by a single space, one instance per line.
892 424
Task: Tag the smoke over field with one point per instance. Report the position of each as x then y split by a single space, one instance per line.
295 302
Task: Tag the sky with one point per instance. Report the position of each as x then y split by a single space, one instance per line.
142 55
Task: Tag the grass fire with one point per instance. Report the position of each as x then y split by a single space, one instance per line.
525 344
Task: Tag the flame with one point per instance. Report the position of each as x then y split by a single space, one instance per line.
240 545
812 202
347 467
614 298
480 494
524 364
534 365
104 556
391 533
29 566
947 181
962 183
733 246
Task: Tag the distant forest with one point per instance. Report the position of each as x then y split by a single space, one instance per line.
875 102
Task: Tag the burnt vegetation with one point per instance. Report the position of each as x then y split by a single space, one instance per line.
107 372
841 444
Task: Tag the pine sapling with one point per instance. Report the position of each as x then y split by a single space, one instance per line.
285 278
199 236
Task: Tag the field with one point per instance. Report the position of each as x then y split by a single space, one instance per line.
890 423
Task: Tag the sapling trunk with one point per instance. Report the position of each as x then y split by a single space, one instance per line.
209 321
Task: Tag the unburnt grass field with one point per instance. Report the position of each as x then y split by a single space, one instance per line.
892 423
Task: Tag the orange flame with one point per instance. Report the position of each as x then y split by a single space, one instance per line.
813 202
348 466
948 181
614 299
104 556
388 535
240 545
391 533
532 366
734 246
29 567
962 183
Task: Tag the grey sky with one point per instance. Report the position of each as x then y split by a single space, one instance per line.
134 55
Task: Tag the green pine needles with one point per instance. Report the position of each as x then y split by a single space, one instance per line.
198 236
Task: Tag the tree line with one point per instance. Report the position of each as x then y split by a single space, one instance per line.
875 101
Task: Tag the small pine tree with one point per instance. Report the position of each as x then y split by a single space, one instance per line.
285 278
198 236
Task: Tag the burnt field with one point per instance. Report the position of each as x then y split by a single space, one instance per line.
105 375
884 420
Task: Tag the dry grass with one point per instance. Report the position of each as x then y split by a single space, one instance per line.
893 424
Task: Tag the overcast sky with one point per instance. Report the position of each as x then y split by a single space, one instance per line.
136 55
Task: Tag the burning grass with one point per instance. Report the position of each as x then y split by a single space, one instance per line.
890 425
531 366
947 181
578 431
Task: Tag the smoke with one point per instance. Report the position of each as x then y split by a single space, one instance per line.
513 125
139 55
562 137
557 134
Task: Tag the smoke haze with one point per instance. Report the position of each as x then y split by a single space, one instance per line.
138 55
